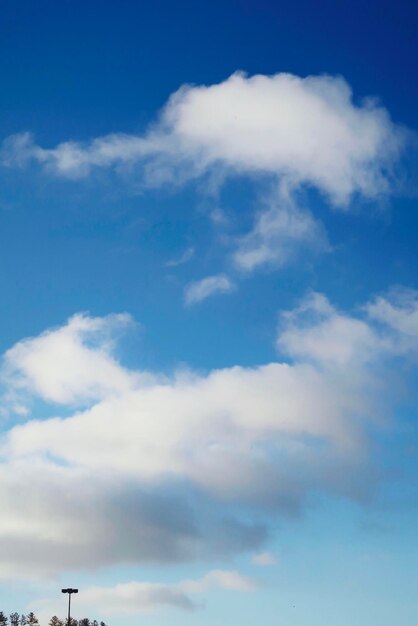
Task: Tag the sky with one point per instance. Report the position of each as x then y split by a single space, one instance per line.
209 318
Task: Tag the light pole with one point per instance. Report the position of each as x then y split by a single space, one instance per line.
69 591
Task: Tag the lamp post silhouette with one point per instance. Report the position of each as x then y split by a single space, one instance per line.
69 591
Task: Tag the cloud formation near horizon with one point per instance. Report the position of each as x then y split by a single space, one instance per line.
140 597
136 597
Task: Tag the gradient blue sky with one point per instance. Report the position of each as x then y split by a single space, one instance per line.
210 311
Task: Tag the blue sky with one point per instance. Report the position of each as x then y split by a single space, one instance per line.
210 311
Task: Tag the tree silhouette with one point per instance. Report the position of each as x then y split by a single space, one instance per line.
31 620
14 619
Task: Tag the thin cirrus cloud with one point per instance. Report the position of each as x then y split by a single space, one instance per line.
187 255
297 132
138 597
191 465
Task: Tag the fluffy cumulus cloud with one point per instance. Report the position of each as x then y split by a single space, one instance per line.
73 363
317 333
298 132
174 469
308 130
400 312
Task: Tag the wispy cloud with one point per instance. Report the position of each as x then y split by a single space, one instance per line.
281 228
187 255
207 287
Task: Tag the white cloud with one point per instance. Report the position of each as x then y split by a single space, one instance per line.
183 467
298 132
316 332
137 597
206 287
73 159
264 559
306 129
209 429
226 579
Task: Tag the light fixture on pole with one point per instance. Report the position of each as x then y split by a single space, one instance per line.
69 591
